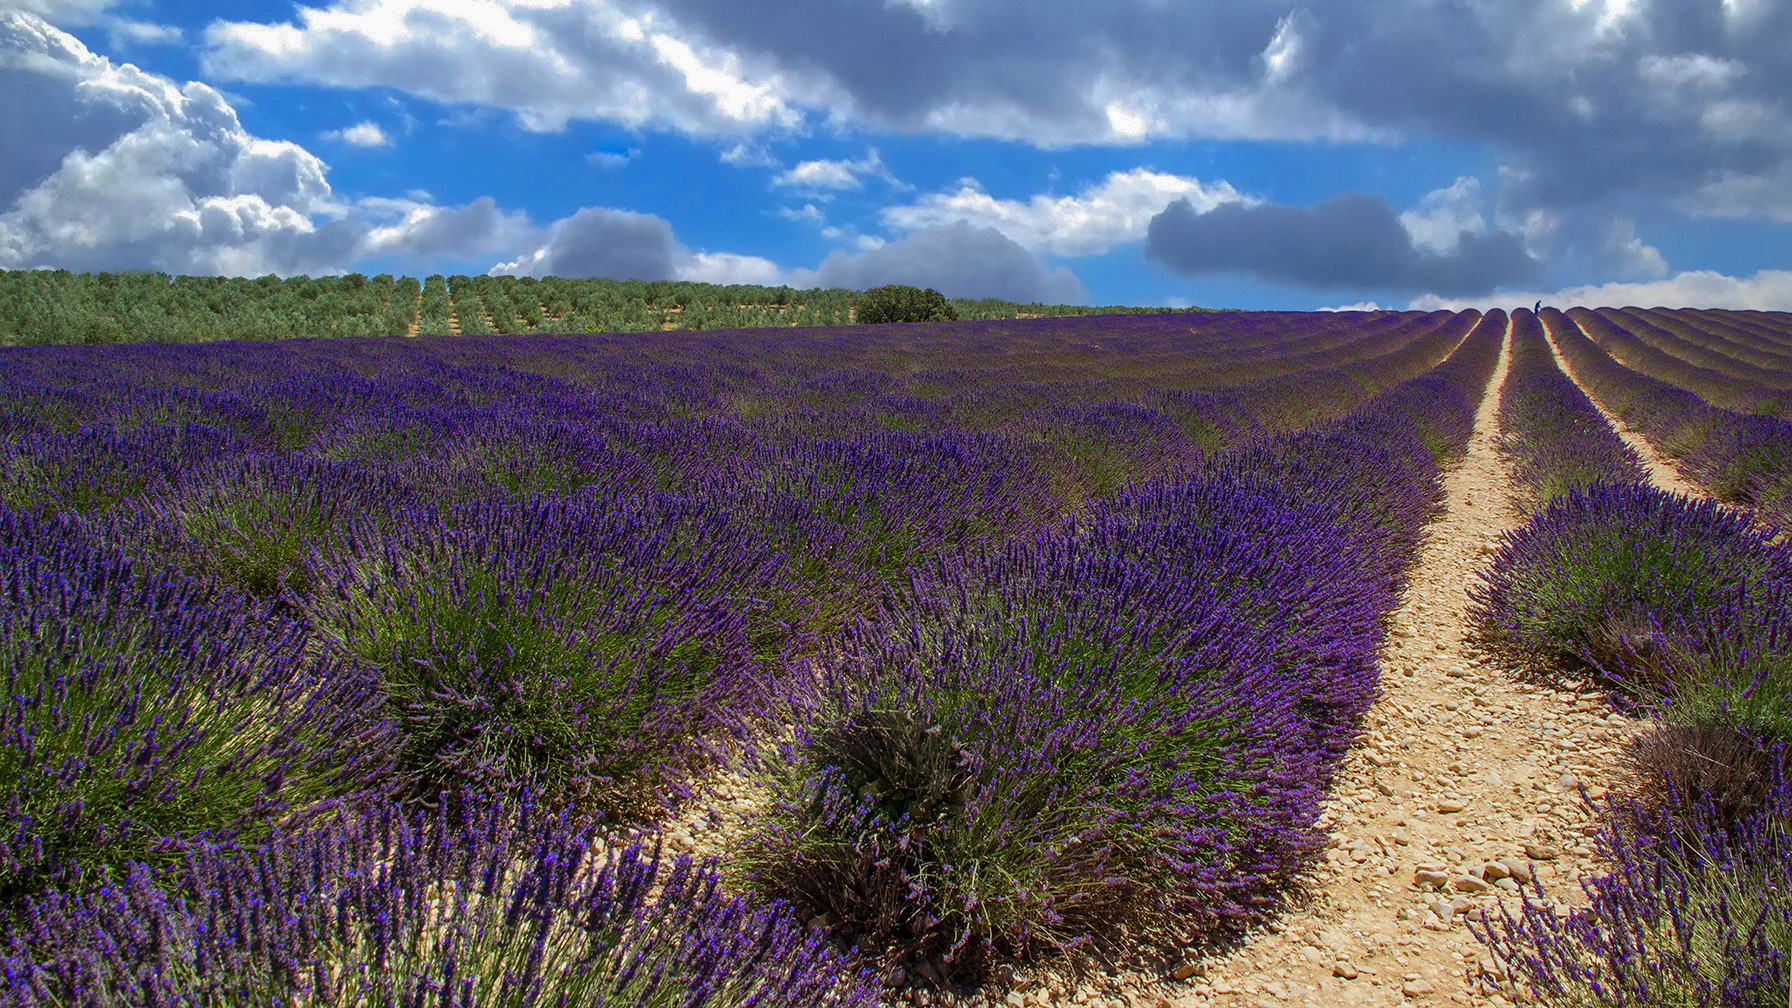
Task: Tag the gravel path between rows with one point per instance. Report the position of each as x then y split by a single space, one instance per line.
1465 762
1660 472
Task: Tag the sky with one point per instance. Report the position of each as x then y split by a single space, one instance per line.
1265 154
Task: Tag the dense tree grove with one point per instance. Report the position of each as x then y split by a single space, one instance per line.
902 303
57 306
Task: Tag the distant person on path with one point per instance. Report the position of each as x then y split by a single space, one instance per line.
1538 308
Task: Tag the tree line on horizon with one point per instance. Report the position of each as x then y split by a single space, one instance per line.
60 306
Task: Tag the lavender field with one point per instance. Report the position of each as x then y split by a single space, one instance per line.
364 671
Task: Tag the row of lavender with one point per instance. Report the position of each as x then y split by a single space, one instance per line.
236 674
1683 610
1742 458
1732 364
1555 439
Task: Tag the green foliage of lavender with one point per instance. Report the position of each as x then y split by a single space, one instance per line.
1698 920
147 711
1595 579
503 905
586 647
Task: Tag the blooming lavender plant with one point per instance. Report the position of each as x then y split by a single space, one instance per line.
1696 920
1554 436
1594 580
147 711
589 648
506 905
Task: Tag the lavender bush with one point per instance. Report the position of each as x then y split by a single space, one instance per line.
504 906
1024 773
146 711
590 648
1593 580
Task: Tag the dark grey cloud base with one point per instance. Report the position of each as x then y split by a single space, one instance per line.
1349 241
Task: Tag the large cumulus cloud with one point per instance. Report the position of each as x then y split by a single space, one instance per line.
1587 100
601 242
1350 241
108 166
111 167
548 62
958 260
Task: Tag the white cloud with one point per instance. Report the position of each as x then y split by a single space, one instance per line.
125 32
1281 58
418 228
1766 290
808 214
824 174
361 134
1444 215
612 160
1097 218
819 175
746 155
117 168
547 61
727 268
1629 255
129 169
122 31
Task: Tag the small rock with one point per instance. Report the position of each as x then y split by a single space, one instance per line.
1493 871
1345 970
1451 805
1417 987
1469 884
1186 970
1516 869
1541 852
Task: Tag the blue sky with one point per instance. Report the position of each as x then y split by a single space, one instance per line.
1234 154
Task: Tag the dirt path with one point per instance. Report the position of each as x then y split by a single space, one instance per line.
1464 764
1660 472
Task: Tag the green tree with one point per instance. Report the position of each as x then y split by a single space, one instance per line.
902 303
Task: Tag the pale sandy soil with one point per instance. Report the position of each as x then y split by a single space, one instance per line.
1660 472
